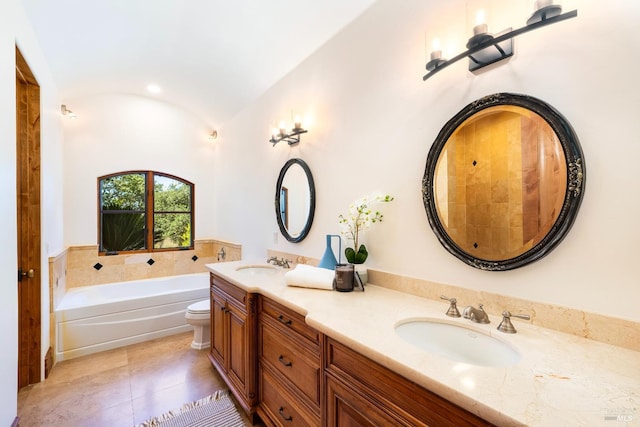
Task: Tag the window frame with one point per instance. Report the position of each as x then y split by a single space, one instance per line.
149 212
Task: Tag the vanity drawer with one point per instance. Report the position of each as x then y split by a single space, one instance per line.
239 296
289 319
293 362
281 407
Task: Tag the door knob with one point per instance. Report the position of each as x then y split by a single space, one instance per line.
30 273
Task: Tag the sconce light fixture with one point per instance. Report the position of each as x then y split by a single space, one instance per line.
213 135
66 112
292 137
483 48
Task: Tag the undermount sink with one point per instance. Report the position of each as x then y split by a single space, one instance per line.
458 343
257 269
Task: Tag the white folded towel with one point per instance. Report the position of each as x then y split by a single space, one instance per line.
307 276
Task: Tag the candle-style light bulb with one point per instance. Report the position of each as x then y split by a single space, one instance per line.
436 53
297 122
541 4
481 26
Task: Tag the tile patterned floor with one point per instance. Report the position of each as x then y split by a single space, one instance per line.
121 387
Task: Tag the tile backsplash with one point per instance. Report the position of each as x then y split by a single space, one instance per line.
85 267
82 266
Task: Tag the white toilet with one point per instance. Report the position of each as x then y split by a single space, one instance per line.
198 315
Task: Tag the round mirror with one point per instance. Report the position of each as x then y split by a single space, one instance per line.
503 182
295 200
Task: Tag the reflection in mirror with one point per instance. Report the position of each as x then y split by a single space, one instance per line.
295 200
503 181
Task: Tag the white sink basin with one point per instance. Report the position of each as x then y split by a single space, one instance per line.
458 343
257 269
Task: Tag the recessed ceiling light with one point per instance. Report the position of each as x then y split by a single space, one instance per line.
153 88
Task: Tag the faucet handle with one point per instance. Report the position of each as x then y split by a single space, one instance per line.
506 326
453 308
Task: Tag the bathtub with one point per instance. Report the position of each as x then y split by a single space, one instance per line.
90 319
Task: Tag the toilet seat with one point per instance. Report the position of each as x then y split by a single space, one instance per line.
201 307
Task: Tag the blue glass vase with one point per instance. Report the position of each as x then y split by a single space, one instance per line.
328 260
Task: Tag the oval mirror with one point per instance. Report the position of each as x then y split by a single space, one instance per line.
295 200
503 182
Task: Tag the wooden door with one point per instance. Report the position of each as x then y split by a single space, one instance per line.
28 223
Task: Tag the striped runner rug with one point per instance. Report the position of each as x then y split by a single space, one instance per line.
216 410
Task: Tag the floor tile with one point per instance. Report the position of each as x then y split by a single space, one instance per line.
120 387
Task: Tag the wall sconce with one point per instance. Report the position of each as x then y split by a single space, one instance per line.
292 137
66 112
213 135
485 49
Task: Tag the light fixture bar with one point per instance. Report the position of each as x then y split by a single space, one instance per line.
291 138
499 39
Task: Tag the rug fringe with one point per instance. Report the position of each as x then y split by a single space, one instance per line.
155 421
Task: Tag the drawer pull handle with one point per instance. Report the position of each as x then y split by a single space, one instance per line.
283 361
284 417
283 320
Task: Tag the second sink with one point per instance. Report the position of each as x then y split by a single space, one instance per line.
458 343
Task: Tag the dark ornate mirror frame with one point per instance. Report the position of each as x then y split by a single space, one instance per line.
575 180
312 201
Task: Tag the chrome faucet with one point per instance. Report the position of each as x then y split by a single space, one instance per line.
284 263
477 315
274 259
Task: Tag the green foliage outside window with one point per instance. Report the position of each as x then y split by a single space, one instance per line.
125 207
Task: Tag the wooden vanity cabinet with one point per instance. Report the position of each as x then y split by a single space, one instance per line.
290 367
289 374
234 340
361 392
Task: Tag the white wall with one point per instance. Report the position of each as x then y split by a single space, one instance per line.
374 120
14 29
117 132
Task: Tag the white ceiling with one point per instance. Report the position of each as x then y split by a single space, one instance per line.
212 57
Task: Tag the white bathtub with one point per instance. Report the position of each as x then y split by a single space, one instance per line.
90 319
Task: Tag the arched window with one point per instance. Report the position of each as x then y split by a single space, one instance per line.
144 211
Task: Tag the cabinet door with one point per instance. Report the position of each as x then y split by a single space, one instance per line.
238 356
347 408
218 330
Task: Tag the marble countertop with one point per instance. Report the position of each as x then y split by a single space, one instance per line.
560 379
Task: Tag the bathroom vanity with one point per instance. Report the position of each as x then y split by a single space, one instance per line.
298 356
301 374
